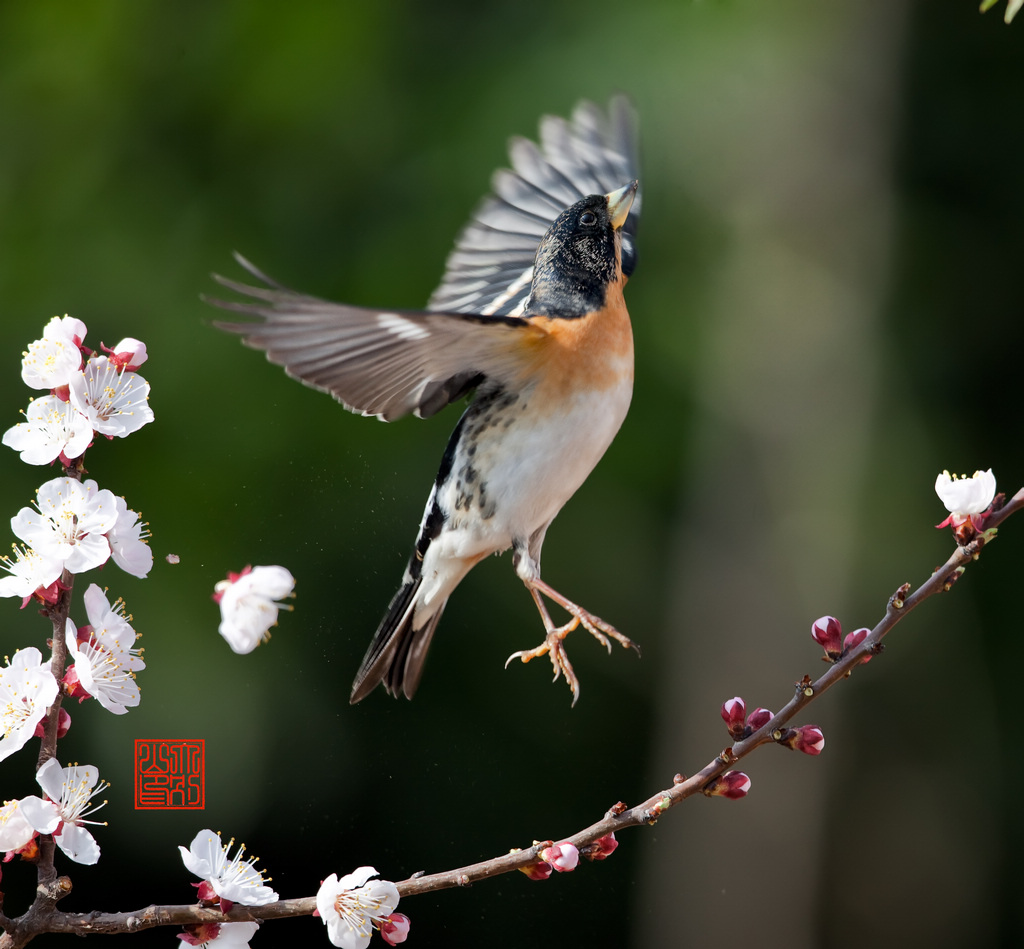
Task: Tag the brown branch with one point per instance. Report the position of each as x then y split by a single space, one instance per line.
46 873
20 931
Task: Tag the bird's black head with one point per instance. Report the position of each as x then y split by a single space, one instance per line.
577 258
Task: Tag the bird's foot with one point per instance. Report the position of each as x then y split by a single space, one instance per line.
554 647
597 628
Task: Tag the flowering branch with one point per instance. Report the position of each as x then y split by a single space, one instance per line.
595 841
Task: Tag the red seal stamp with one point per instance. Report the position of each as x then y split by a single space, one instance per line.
170 773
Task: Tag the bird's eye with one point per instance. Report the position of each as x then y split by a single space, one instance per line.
588 218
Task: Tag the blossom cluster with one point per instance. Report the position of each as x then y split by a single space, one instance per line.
351 907
73 526
104 396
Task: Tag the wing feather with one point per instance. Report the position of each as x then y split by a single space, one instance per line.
386 363
490 269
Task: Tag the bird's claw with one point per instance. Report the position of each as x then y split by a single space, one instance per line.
597 628
553 644
554 647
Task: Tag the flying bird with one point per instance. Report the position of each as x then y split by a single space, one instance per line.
530 321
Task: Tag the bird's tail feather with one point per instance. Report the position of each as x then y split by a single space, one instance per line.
398 649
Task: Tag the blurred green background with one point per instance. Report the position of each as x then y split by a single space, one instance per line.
827 313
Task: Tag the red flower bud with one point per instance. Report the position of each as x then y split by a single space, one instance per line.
731 785
807 738
759 717
537 871
395 929
854 639
563 857
828 633
601 848
63 724
732 714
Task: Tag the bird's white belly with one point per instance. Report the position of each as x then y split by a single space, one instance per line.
521 474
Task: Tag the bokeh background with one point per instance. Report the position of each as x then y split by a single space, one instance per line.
827 313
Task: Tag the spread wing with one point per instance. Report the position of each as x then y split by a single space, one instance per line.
386 363
491 267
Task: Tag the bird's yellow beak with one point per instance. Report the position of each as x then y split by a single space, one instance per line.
619 203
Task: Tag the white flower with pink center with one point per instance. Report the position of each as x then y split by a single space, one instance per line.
352 908
104 661
247 605
232 878
69 793
50 362
27 690
70 523
52 428
114 400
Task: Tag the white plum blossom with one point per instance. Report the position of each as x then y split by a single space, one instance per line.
113 399
111 628
232 878
69 523
127 542
105 661
27 690
966 496
50 362
15 830
351 907
68 793
52 428
128 354
247 606
30 572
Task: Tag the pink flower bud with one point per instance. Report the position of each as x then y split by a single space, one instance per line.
63 724
731 785
395 929
807 738
732 714
601 848
128 354
759 717
563 857
854 639
828 633
537 871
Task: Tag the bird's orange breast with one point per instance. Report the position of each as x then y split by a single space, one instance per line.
584 354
